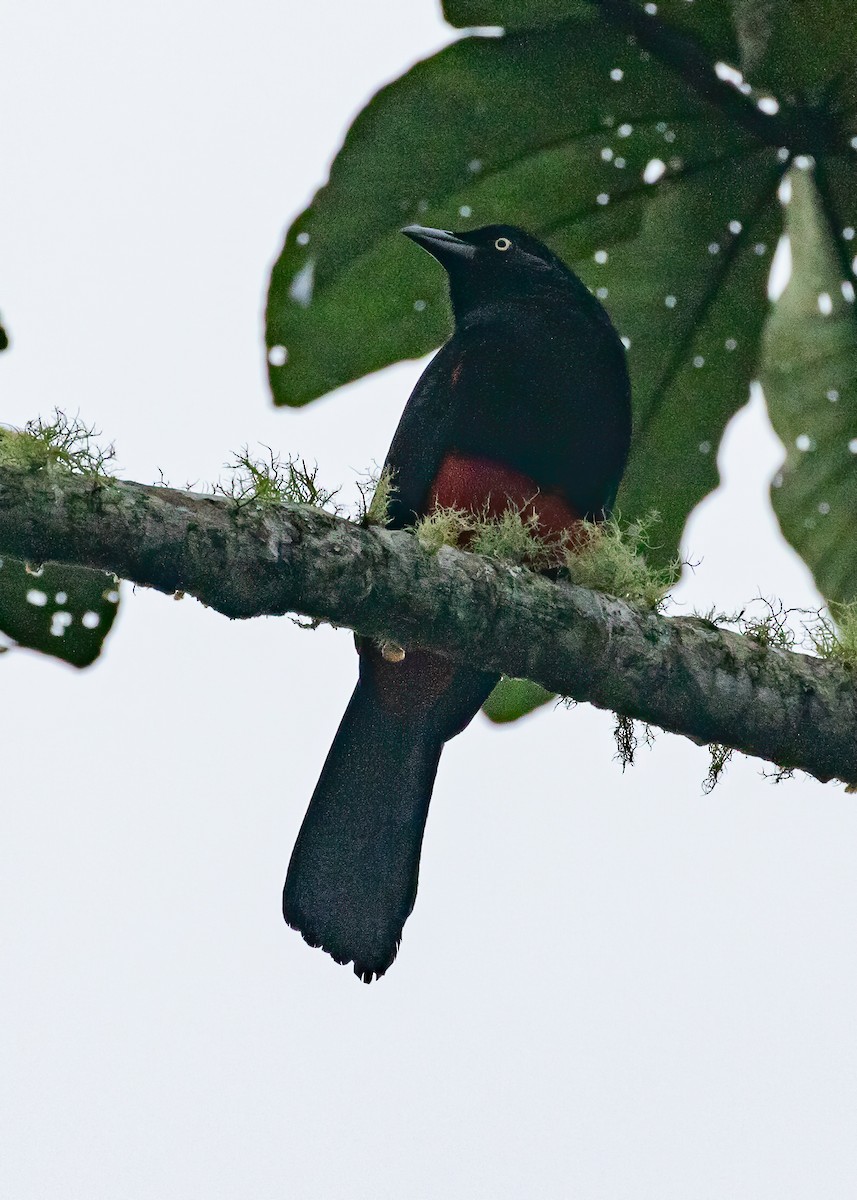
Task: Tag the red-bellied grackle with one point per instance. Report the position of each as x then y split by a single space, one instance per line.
527 404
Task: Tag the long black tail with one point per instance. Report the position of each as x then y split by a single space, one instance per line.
352 879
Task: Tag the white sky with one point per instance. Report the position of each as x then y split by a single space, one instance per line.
612 987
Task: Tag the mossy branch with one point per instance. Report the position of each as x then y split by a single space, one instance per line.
684 674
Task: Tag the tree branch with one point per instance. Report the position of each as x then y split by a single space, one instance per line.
683 674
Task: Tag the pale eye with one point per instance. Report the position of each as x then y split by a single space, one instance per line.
502 244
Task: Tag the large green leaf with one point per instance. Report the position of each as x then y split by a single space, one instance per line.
62 611
488 128
563 132
809 375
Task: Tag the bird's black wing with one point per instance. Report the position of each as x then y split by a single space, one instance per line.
423 435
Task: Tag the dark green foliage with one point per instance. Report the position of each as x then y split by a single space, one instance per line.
561 126
62 611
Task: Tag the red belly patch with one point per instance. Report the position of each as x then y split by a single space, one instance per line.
483 486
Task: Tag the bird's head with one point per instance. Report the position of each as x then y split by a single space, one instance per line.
494 264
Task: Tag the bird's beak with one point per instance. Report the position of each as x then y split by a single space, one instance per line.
443 245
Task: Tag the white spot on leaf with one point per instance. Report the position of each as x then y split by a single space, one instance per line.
653 170
781 268
302 285
728 74
60 622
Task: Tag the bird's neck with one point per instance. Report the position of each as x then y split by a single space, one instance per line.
509 307
510 313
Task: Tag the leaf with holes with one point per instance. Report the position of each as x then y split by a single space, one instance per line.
62 611
664 208
809 375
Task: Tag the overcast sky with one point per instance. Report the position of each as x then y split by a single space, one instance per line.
612 987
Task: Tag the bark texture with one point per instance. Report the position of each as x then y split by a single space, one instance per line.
683 674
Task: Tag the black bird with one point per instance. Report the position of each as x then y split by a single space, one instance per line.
527 404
